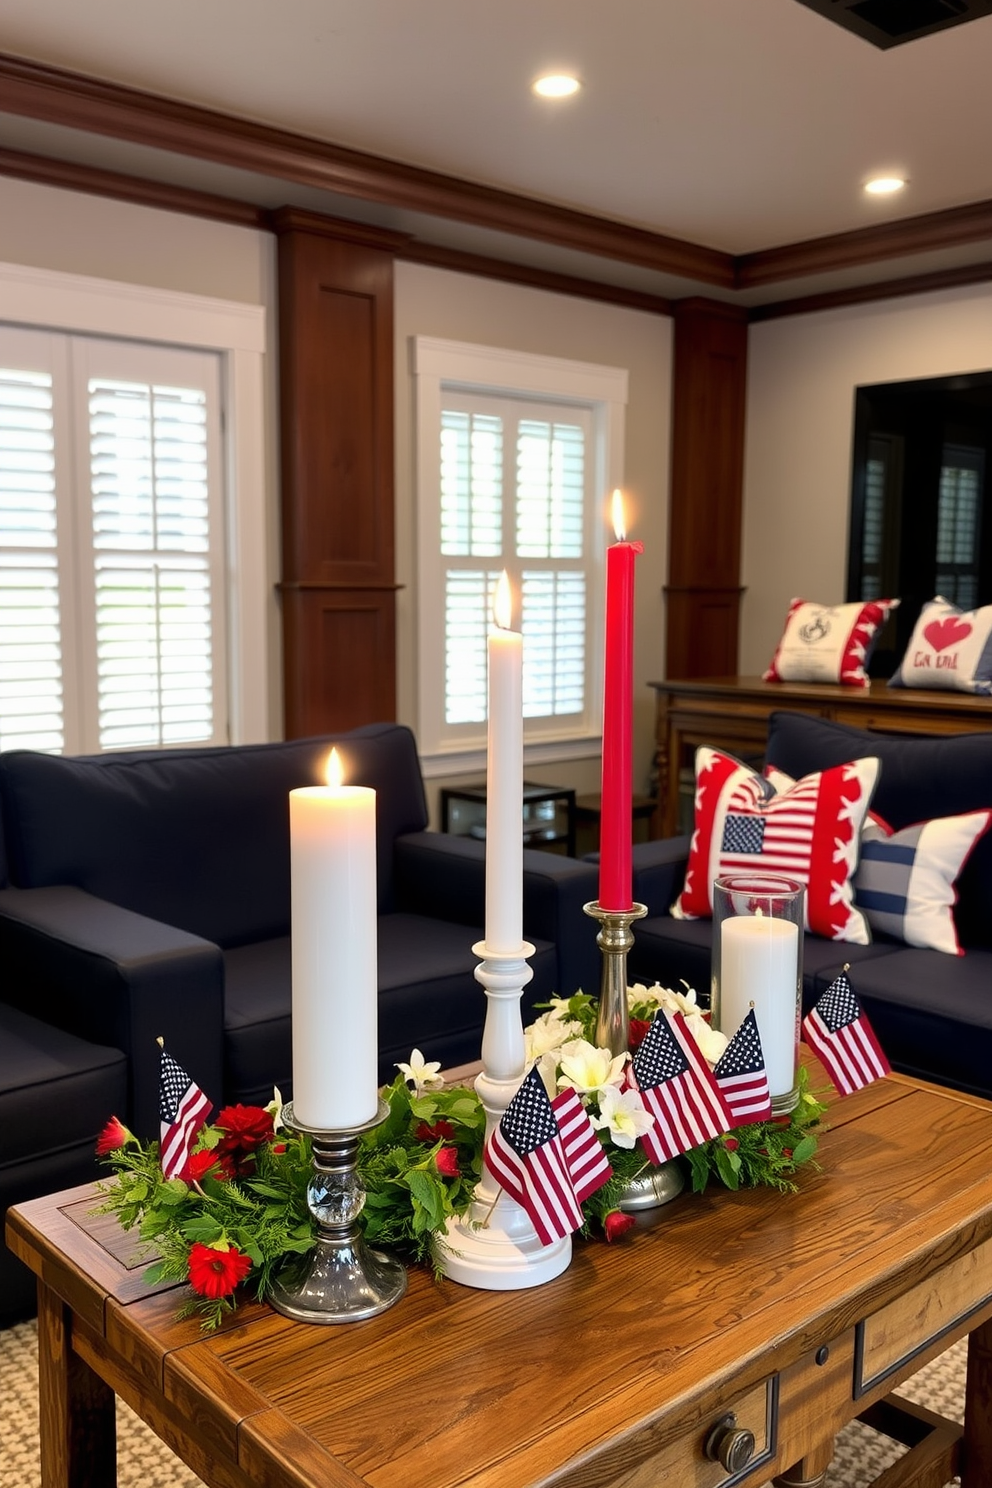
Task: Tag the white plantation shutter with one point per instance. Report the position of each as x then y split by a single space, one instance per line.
151 535
31 658
514 487
111 546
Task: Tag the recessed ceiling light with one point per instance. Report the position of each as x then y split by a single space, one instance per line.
556 85
884 185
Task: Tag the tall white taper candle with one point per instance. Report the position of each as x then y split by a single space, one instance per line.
504 780
335 1028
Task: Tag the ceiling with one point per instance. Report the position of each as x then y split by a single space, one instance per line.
734 125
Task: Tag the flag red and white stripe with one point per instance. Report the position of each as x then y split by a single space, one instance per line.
183 1108
588 1165
839 1033
741 1075
677 1087
526 1155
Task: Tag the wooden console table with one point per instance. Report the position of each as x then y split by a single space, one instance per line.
732 713
772 1316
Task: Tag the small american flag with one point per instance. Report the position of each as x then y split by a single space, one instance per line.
587 1163
741 1075
677 1086
526 1155
183 1108
840 1035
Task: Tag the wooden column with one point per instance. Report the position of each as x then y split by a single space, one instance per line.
703 590
336 391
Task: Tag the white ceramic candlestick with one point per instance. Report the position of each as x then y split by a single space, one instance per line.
335 1031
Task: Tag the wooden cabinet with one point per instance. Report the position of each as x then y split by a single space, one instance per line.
732 713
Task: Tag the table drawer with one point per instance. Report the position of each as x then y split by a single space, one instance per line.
685 1462
893 1336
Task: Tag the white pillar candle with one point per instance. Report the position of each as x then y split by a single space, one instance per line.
335 982
759 964
505 781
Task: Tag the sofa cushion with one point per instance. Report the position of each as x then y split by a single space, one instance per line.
809 832
56 1091
932 1014
428 999
921 778
672 951
828 643
950 649
197 838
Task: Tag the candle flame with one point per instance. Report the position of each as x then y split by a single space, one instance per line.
619 523
335 772
503 602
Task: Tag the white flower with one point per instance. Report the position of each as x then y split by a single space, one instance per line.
274 1109
709 1041
549 1033
421 1074
624 1114
587 1069
675 1002
547 1068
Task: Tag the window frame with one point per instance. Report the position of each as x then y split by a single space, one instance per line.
48 300
439 365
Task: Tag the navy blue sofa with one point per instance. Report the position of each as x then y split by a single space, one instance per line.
150 895
932 1012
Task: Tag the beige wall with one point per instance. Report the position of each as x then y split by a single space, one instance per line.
457 307
73 233
802 373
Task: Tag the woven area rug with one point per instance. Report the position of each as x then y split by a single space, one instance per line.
144 1462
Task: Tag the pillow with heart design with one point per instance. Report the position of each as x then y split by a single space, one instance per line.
949 648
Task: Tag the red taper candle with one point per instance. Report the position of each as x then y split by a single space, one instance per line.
615 834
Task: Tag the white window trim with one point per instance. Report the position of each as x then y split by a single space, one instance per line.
462 365
48 300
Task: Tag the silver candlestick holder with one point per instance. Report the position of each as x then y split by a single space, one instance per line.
658 1183
345 1279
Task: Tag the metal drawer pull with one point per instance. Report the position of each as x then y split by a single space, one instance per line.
729 1444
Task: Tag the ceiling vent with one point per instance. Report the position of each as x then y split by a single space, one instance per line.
889 23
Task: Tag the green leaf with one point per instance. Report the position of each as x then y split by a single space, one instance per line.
804 1150
203 1228
428 1193
156 1272
728 1165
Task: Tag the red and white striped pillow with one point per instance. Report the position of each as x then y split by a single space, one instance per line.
810 832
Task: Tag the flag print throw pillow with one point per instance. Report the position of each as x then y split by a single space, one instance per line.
949 648
809 831
828 643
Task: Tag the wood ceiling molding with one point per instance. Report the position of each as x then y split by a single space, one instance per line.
69 99
482 267
71 176
933 230
863 294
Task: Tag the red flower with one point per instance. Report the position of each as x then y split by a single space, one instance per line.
446 1162
786 1151
616 1224
215 1273
636 1033
112 1138
441 1131
731 1144
279 1147
244 1127
199 1163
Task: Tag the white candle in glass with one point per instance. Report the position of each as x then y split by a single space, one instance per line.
335 972
759 965
504 780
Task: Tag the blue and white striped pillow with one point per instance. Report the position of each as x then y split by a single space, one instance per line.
905 883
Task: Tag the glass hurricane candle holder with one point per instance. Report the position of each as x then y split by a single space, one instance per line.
758 962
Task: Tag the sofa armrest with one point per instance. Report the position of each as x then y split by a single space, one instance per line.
115 977
659 869
445 876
